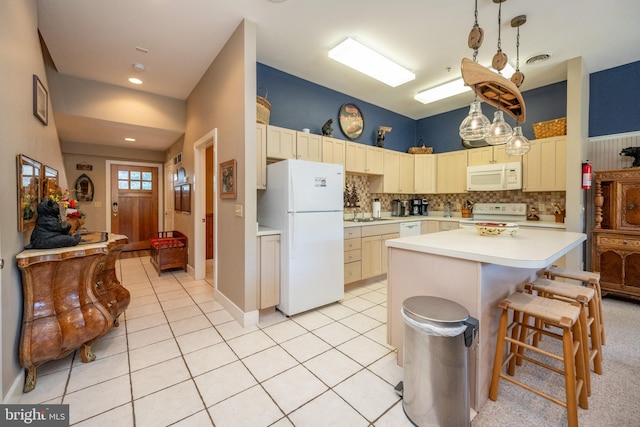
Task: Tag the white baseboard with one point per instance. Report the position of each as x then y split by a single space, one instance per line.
249 318
15 391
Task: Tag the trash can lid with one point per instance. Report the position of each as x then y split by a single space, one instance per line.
434 309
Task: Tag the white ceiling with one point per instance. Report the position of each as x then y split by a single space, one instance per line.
97 40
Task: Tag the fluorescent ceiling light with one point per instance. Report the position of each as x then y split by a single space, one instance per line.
359 57
130 139
452 88
135 81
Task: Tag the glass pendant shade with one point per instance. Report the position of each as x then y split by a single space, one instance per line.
500 132
476 125
518 145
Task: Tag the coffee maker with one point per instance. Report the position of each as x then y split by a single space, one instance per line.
425 207
416 206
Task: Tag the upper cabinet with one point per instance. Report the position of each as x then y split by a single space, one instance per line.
333 150
261 156
364 159
489 155
544 167
424 174
451 172
285 143
397 178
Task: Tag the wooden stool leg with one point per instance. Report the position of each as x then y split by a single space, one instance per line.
584 347
596 335
497 361
580 370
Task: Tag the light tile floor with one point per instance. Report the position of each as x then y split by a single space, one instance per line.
178 358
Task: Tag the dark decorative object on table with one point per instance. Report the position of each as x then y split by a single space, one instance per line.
632 152
49 232
327 130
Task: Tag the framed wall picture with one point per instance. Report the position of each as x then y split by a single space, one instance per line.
185 198
351 121
177 199
40 101
228 182
29 191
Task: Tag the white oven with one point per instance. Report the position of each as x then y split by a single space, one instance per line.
495 177
496 212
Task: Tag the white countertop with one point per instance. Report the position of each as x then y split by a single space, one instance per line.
437 216
267 231
528 248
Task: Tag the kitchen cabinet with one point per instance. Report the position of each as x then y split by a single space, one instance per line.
333 150
489 155
352 254
424 175
374 249
451 172
364 159
261 156
544 167
615 240
435 226
71 297
285 143
398 174
268 270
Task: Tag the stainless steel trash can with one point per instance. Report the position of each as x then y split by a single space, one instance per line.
437 334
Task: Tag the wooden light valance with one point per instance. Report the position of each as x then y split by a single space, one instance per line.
494 89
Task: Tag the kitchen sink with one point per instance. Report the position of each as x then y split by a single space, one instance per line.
371 219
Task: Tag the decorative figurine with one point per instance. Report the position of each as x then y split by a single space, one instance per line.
632 152
49 232
533 215
327 130
382 131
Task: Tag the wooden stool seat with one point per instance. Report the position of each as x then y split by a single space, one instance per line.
588 318
560 314
590 278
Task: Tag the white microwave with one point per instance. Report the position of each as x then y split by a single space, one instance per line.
495 177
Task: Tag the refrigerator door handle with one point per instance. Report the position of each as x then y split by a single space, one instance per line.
292 238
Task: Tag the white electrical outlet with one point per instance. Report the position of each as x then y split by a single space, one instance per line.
541 207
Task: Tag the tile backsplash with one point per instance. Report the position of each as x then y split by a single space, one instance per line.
437 201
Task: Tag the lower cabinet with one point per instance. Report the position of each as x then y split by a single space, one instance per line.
352 254
374 254
436 226
268 271
616 255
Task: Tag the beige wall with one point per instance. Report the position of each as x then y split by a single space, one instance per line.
20 132
225 99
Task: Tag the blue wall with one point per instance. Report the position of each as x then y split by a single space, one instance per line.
614 107
614 100
298 104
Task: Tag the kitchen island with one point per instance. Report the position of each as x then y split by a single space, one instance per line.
474 271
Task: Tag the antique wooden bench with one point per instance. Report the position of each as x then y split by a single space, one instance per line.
169 249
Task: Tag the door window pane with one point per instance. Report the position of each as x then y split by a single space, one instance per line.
123 185
146 185
123 174
135 175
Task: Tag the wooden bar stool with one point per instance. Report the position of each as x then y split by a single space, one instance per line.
564 316
589 278
585 296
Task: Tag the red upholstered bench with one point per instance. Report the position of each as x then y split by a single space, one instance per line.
169 249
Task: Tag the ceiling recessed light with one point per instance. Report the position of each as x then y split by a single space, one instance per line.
130 139
361 58
137 67
135 81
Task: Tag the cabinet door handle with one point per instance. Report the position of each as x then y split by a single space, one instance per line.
631 207
98 283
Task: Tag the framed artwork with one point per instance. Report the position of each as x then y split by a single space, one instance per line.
228 175
182 198
84 189
177 200
29 191
351 121
40 101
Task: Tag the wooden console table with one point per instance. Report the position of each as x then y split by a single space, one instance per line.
71 297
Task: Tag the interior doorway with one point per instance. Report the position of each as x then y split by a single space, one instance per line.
202 157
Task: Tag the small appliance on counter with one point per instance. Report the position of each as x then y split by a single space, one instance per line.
404 208
400 207
416 206
425 207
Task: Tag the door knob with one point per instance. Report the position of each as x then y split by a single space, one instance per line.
203 220
631 207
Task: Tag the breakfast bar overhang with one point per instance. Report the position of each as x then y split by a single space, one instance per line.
476 272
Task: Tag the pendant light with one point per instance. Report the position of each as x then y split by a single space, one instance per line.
518 78
475 126
500 131
518 145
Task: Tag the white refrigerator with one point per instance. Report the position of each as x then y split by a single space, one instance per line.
304 201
